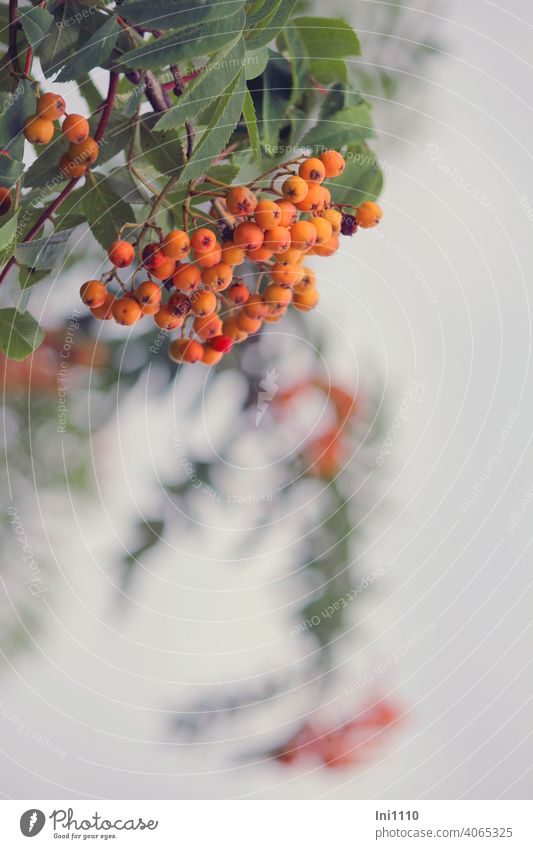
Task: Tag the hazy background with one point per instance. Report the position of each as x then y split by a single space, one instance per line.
438 294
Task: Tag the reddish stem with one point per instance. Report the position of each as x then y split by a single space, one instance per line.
108 106
186 79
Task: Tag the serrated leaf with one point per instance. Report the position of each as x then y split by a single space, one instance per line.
14 108
174 14
43 253
44 171
256 62
350 125
116 137
28 277
105 211
10 171
162 149
93 54
20 334
125 186
248 112
361 179
265 22
185 44
54 50
327 38
7 237
217 74
35 22
223 118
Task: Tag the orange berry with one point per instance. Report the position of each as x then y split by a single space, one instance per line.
187 277
287 275
176 244
292 255
276 315
244 322
209 258
218 277
303 235
329 248
312 170
210 356
86 152
121 253
262 254
93 293
255 307
69 169
5 200
75 128
241 201
38 130
308 280
278 239
368 214
295 189
333 163
238 293
148 294
179 304
51 106
317 198
186 351
248 235
204 302
232 254
267 214
151 309
277 297
335 219
105 311
289 213
305 301
231 328
168 320
203 240
165 269
324 230
207 326
126 310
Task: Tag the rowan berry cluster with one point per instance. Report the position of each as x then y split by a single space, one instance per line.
192 281
39 129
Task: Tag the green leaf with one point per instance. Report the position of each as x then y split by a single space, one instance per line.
265 21
106 212
350 125
185 44
35 22
174 14
327 38
256 62
7 237
89 92
44 253
217 74
10 171
116 137
251 125
44 171
28 277
224 115
14 108
20 334
162 149
93 54
54 50
361 179
123 184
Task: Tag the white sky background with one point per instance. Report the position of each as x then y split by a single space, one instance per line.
98 686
